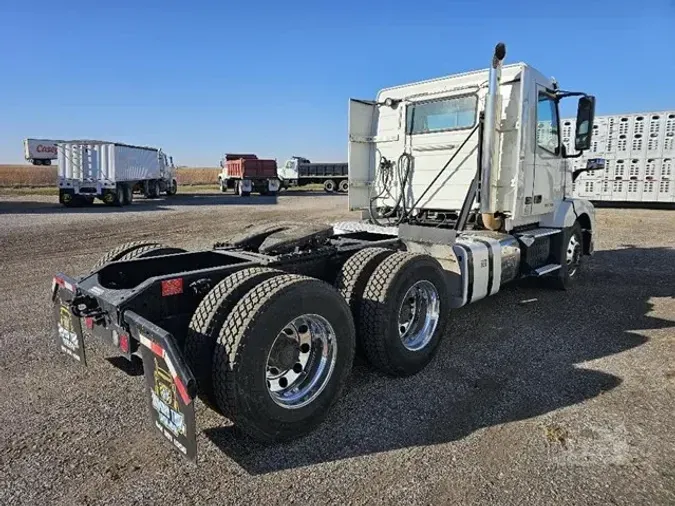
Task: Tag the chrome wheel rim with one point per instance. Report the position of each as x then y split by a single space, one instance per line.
301 361
573 255
418 315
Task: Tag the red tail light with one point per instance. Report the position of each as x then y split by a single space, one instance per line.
89 322
172 287
124 343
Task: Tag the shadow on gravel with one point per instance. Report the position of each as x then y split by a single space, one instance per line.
514 356
139 204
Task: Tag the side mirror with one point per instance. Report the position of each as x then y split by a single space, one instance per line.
584 128
592 164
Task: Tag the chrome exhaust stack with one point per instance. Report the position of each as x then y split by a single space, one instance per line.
489 158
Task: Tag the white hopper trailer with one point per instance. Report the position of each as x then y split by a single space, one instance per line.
112 172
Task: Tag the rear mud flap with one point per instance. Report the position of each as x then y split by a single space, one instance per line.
68 333
170 414
171 385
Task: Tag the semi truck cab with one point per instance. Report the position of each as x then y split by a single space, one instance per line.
417 149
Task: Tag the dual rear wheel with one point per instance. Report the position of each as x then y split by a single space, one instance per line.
272 351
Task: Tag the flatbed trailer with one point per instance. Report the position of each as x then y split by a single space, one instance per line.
264 327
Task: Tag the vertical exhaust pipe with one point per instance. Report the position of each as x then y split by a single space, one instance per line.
490 164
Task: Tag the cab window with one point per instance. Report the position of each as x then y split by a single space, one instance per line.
454 113
548 136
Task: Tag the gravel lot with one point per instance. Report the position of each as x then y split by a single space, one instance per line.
535 397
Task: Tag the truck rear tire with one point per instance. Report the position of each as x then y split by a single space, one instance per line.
403 313
150 251
207 322
119 252
344 186
329 186
223 186
352 279
279 365
46 162
126 250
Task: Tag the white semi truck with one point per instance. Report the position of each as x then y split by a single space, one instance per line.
464 185
40 151
112 172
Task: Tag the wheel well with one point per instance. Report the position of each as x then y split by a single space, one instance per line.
585 222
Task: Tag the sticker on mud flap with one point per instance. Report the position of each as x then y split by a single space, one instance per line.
69 333
170 416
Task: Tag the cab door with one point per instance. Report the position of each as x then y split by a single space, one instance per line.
548 178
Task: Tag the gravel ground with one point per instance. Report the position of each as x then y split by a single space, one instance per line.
535 397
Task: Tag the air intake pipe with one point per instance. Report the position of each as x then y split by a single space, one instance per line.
489 155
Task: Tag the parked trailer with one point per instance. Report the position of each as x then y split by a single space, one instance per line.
263 327
247 173
299 171
638 150
40 151
112 172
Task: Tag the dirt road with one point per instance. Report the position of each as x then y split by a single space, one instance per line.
535 397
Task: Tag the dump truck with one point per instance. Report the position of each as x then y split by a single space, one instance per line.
463 185
299 171
246 173
112 172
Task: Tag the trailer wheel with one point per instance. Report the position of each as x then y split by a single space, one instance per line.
46 162
344 186
283 356
208 319
573 240
403 313
329 186
352 279
128 194
121 250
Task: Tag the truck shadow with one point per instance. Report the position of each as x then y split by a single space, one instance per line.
515 356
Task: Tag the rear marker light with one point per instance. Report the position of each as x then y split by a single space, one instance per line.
172 287
124 343
89 322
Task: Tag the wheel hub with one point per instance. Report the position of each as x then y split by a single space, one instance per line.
573 255
301 361
418 315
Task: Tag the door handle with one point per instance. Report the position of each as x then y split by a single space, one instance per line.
537 199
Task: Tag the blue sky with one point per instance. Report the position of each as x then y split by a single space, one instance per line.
274 78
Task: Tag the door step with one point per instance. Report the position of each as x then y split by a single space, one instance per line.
545 269
530 236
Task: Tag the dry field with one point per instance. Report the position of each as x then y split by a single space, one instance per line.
35 176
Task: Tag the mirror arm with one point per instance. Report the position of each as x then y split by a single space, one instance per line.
576 174
577 155
560 94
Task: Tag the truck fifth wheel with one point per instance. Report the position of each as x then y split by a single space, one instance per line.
464 186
